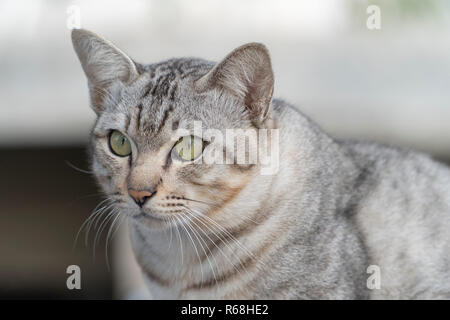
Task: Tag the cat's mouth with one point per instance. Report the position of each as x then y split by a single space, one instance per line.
146 215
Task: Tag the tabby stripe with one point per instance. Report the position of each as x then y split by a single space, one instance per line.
138 117
166 115
147 91
172 92
188 73
105 160
244 265
153 277
153 90
127 123
239 231
99 136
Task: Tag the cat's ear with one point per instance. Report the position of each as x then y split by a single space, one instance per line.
246 73
103 63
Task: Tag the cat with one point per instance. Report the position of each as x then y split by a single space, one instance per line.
313 229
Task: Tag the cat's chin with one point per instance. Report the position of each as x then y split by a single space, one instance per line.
150 220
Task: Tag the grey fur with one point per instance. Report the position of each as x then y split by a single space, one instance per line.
333 208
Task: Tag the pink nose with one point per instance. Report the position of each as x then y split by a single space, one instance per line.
140 197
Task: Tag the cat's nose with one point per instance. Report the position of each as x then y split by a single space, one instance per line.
140 196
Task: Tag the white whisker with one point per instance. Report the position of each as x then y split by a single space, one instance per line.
96 218
91 216
200 238
236 241
193 245
170 227
224 241
107 237
102 226
181 243
77 169
124 218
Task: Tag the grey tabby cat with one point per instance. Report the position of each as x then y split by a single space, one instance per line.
226 231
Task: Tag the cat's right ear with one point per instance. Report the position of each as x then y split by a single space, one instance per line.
103 63
247 74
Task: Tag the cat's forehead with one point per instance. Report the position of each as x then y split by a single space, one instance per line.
163 98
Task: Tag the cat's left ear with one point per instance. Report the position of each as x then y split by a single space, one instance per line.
246 73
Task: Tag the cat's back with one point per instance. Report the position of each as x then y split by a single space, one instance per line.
404 217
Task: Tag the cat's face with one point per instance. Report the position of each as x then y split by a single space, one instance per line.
147 153
149 160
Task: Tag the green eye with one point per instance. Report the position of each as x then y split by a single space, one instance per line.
119 144
188 148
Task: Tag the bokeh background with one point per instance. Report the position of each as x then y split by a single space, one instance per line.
390 85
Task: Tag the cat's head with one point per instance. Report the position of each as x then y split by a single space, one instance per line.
145 153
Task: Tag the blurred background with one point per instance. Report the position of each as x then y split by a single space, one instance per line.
388 82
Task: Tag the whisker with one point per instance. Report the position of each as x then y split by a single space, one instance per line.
105 221
193 245
170 227
107 238
98 214
78 169
96 219
224 241
251 220
236 241
124 218
107 208
181 243
228 234
94 212
199 237
199 201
